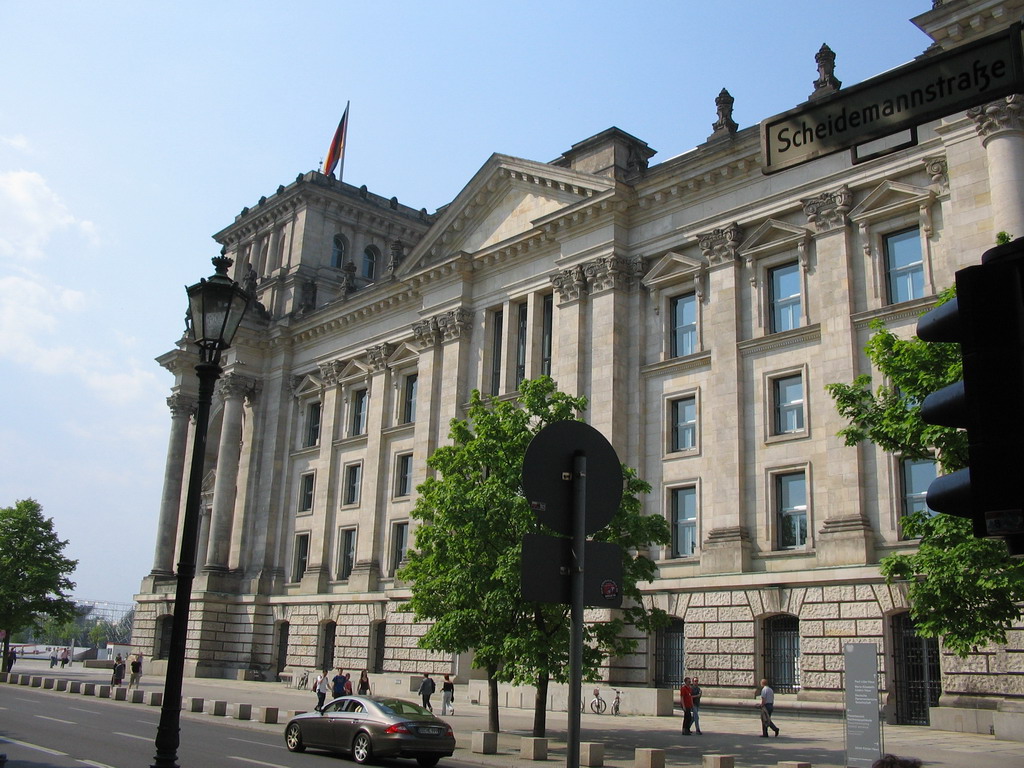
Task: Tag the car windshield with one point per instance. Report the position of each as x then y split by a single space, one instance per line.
402 707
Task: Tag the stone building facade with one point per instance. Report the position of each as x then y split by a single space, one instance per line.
699 304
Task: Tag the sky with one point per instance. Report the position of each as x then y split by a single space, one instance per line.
131 132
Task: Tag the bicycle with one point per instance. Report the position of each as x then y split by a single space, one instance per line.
597 704
615 702
303 679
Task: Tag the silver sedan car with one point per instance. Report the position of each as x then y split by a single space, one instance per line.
367 727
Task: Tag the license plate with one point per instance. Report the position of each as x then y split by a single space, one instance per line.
431 731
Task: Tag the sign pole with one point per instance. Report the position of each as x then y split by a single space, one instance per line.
579 545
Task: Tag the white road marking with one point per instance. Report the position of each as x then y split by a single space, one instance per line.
255 762
132 736
88 711
95 764
56 720
28 745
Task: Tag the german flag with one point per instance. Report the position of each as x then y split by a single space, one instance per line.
336 152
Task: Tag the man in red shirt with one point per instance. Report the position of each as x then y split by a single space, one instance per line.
686 702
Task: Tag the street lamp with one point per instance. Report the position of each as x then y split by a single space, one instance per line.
216 307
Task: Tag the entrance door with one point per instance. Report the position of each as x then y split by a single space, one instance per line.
329 633
670 655
917 678
282 646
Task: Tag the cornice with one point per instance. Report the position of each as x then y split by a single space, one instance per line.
898 313
773 341
677 365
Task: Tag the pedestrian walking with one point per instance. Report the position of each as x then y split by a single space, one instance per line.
686 702
447 697
321 686
426 689
12 656
338 683
64 658
364 684
118 675
695 692
767 705
53 658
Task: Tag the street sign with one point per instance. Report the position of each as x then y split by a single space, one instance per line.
925 89
548 475
547 570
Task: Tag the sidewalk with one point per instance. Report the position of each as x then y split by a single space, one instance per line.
819 742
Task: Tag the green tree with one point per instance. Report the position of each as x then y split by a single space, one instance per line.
962 589
34 573
465 567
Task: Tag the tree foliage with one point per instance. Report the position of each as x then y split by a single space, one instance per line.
34 573
465 566
962 589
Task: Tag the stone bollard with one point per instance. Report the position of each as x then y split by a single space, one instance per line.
268 715
103 691
793 764
36 682
75 686
196 704
649 758
533 748
5 677
24 679
242 711
592 753
485 742
155 699
120 694
135 697
218 708
62 685
89 689
719 761
49 682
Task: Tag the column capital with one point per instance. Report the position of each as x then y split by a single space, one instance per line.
181 405
234 385
1001 116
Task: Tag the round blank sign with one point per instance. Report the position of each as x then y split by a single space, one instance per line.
548 472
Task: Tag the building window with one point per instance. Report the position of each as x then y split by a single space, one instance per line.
684 521
353 478
784 301
357 421
497 331
791 505
306 484
338 250
546 333
399 545
683 319
788 396
346 552
371 259
301 556
522 327
403 475
670 655
904 266
782 653
409 399
917 475
684 424
311 434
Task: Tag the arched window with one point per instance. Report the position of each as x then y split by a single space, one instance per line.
782 653
371 258
338 251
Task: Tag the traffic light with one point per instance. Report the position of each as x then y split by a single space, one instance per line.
987 320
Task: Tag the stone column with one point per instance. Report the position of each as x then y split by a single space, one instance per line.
567 357
241 526
182 408
232 389
1001 128
318 569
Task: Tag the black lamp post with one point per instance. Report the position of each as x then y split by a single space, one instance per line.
216 307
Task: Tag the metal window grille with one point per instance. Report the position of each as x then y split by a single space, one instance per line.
670 655
782 653
917 676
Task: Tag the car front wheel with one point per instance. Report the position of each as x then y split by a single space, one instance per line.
293 738
362 750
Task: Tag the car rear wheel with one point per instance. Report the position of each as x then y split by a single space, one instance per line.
293 738
428 761
362 749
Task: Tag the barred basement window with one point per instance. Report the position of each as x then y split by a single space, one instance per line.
782 653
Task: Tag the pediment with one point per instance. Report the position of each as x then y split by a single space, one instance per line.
309 384
404 354
673 267
773 236
891 198
502 202
354 369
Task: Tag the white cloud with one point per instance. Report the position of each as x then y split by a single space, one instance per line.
18 141
30 213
